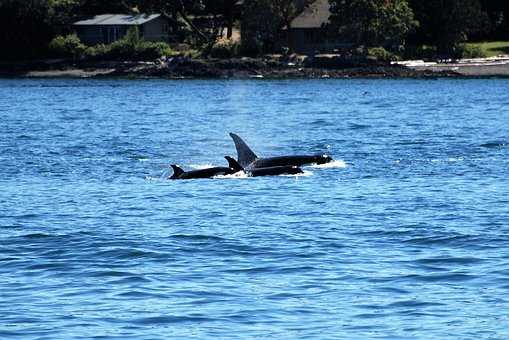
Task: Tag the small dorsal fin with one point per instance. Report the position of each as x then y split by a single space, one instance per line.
177 171
245 155
233 164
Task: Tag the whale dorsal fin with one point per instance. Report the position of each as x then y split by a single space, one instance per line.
233 164
245 155
177 171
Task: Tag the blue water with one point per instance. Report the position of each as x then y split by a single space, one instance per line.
406 236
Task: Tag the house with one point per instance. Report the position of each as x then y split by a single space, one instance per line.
307 32
107 28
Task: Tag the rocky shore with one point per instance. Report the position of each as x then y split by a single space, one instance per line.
272 67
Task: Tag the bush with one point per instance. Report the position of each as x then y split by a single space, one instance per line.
144 50
381 54
225 48
130 47
96 52
154 50
420 52
67 46
469 51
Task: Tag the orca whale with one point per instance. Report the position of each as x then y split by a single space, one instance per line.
179 173
249 160
268 171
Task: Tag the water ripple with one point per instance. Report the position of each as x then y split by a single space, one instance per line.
403 236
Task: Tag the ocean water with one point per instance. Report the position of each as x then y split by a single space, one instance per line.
405 236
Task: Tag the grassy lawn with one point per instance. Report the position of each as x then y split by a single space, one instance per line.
493 48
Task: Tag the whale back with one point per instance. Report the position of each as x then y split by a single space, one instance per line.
177 171
245 155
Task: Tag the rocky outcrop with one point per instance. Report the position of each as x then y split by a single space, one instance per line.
273 67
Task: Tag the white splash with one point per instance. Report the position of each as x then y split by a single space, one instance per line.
337 164
237 175
201 166
306 173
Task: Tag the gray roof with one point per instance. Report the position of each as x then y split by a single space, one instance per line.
314 16
118 19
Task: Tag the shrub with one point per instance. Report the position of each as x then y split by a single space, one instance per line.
144 50
96 52
67 46
153 50
469 51
130 47
420 52
225 48
381 54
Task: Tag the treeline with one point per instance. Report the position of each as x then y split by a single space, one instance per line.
28 26
405 27
409 28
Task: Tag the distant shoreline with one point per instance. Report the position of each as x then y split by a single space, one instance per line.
254 68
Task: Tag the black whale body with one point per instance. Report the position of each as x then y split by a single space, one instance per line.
178 173
297 160
265 171
249 160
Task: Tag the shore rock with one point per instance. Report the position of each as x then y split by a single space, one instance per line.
277 67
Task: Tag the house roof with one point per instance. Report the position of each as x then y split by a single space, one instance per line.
314 16
118 19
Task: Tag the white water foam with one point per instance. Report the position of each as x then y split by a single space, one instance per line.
337 164
306 173
450 159
237 175
201 166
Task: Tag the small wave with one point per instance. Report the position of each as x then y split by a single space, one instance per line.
450 260
160 320
496 144
136 294
155 179
337 164
414 304
355 126
198 237
36 235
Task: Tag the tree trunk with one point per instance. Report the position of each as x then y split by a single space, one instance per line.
229 17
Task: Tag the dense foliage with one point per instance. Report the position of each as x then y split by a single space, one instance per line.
130 47
434 27
263 21
372 22
447 23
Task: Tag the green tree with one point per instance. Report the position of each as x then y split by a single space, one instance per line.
179 9
225 9
383 23
26 27
95 7
259 26
447 23
263 20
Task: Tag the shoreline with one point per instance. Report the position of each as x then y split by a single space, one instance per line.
318 67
